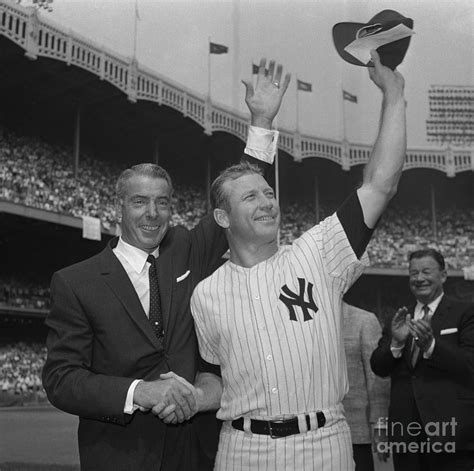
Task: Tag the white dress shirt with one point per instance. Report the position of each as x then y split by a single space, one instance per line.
134 261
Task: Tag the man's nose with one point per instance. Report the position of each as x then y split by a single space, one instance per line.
151 210
265 202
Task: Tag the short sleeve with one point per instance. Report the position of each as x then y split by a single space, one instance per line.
326 247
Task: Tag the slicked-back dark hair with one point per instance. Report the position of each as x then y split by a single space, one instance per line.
434 254
147 170
219 198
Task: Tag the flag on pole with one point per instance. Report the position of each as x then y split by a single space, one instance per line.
349 97
304 86
137 13
215 48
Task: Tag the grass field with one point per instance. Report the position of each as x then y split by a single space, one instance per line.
45 439
37 439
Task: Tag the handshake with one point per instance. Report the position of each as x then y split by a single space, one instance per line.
171 398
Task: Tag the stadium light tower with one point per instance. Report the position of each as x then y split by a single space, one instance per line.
39 4
451 120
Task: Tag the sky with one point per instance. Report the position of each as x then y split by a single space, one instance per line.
172 39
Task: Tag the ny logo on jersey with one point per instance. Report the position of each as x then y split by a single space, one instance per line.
297 299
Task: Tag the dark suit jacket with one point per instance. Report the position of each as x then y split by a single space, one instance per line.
439 388
100 340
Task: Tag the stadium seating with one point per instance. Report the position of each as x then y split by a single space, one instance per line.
20 369
38 174
23 294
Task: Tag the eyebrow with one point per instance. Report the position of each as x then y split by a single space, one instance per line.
164 197
248 192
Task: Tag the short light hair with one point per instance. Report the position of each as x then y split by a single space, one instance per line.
219 197
434 254
147 170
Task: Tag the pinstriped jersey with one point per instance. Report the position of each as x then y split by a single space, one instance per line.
275 328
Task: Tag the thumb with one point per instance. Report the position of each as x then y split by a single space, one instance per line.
375 57
248 89
171 375
168 375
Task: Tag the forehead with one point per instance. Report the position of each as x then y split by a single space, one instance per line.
424 263
246 183
144 185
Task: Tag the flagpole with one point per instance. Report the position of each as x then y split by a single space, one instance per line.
277 177
297 107
343 115
135 30
209 69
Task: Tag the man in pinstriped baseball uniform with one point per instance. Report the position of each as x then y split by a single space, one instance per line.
270 318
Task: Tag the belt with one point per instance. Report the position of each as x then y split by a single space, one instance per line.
280 427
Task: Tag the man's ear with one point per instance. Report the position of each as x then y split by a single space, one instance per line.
444 276
118 208
220 216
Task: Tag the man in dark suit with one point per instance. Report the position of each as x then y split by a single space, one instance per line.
429 355
121 319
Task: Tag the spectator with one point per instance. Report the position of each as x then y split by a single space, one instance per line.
366 403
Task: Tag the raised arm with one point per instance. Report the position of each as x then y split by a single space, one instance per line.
264 101
383 171
265 98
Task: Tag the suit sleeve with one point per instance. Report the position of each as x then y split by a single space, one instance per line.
382 361
456 360
68 376
377 388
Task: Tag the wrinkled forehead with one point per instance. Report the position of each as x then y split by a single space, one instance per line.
145 185
424 262
246 183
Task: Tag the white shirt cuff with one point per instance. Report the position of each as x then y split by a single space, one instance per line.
262 144
130 407
397 351
429 352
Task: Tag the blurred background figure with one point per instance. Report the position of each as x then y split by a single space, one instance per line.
366 404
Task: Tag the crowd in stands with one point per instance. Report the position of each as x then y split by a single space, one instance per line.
20 368
402 231
23 294
40 175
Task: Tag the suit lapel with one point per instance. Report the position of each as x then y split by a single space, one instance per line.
440 315
164 265
117 279
437 321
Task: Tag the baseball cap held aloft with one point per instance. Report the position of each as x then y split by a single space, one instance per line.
388 32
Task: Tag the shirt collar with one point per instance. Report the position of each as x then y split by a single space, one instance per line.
433 305
135 257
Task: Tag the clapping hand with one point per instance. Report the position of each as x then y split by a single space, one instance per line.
422 332
400 326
